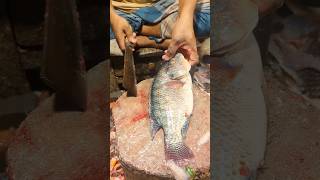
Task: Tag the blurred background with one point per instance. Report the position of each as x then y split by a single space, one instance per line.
289 41
21 57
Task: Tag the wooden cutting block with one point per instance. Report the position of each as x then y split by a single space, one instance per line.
143 158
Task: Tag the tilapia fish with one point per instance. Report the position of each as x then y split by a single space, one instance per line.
171 105
238 116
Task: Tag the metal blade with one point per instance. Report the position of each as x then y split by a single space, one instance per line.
129 74
64 65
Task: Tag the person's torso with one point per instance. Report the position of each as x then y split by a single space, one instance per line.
130 5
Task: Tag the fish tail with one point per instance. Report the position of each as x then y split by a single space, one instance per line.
178 152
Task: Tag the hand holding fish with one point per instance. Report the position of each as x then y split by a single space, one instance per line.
183 36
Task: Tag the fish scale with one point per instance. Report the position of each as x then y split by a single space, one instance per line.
227 141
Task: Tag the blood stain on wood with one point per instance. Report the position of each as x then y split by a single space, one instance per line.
140 116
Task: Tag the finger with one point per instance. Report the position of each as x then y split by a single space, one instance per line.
128 44
120 41
165 56
190 54
185 51
194 57
133 38
194 61
129 33
171 51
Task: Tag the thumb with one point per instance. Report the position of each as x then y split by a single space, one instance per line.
129 34
120 41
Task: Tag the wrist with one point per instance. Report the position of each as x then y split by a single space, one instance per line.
186 18
186 21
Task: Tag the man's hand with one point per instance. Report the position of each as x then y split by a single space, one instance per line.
183 37
183 41
121 29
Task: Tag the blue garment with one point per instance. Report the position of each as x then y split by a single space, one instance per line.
154 14
135 21
202 24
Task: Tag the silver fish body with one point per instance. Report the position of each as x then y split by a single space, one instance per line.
171 105
238 113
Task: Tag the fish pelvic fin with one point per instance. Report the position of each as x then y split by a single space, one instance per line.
155 127
178 152
185 129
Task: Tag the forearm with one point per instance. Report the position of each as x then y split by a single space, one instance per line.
186 10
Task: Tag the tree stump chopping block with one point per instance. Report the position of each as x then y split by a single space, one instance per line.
63 145
143 158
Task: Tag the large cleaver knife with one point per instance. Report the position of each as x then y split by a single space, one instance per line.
129 74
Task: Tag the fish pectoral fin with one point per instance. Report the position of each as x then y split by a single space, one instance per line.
185 129
155 126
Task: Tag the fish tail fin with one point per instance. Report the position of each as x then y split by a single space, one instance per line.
178 152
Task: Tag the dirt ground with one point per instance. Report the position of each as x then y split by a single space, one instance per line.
293 134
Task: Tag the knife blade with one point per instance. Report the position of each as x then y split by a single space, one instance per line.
129 74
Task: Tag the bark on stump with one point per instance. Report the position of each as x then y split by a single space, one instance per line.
65 145
143 158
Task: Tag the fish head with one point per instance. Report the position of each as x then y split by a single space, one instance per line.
178 67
